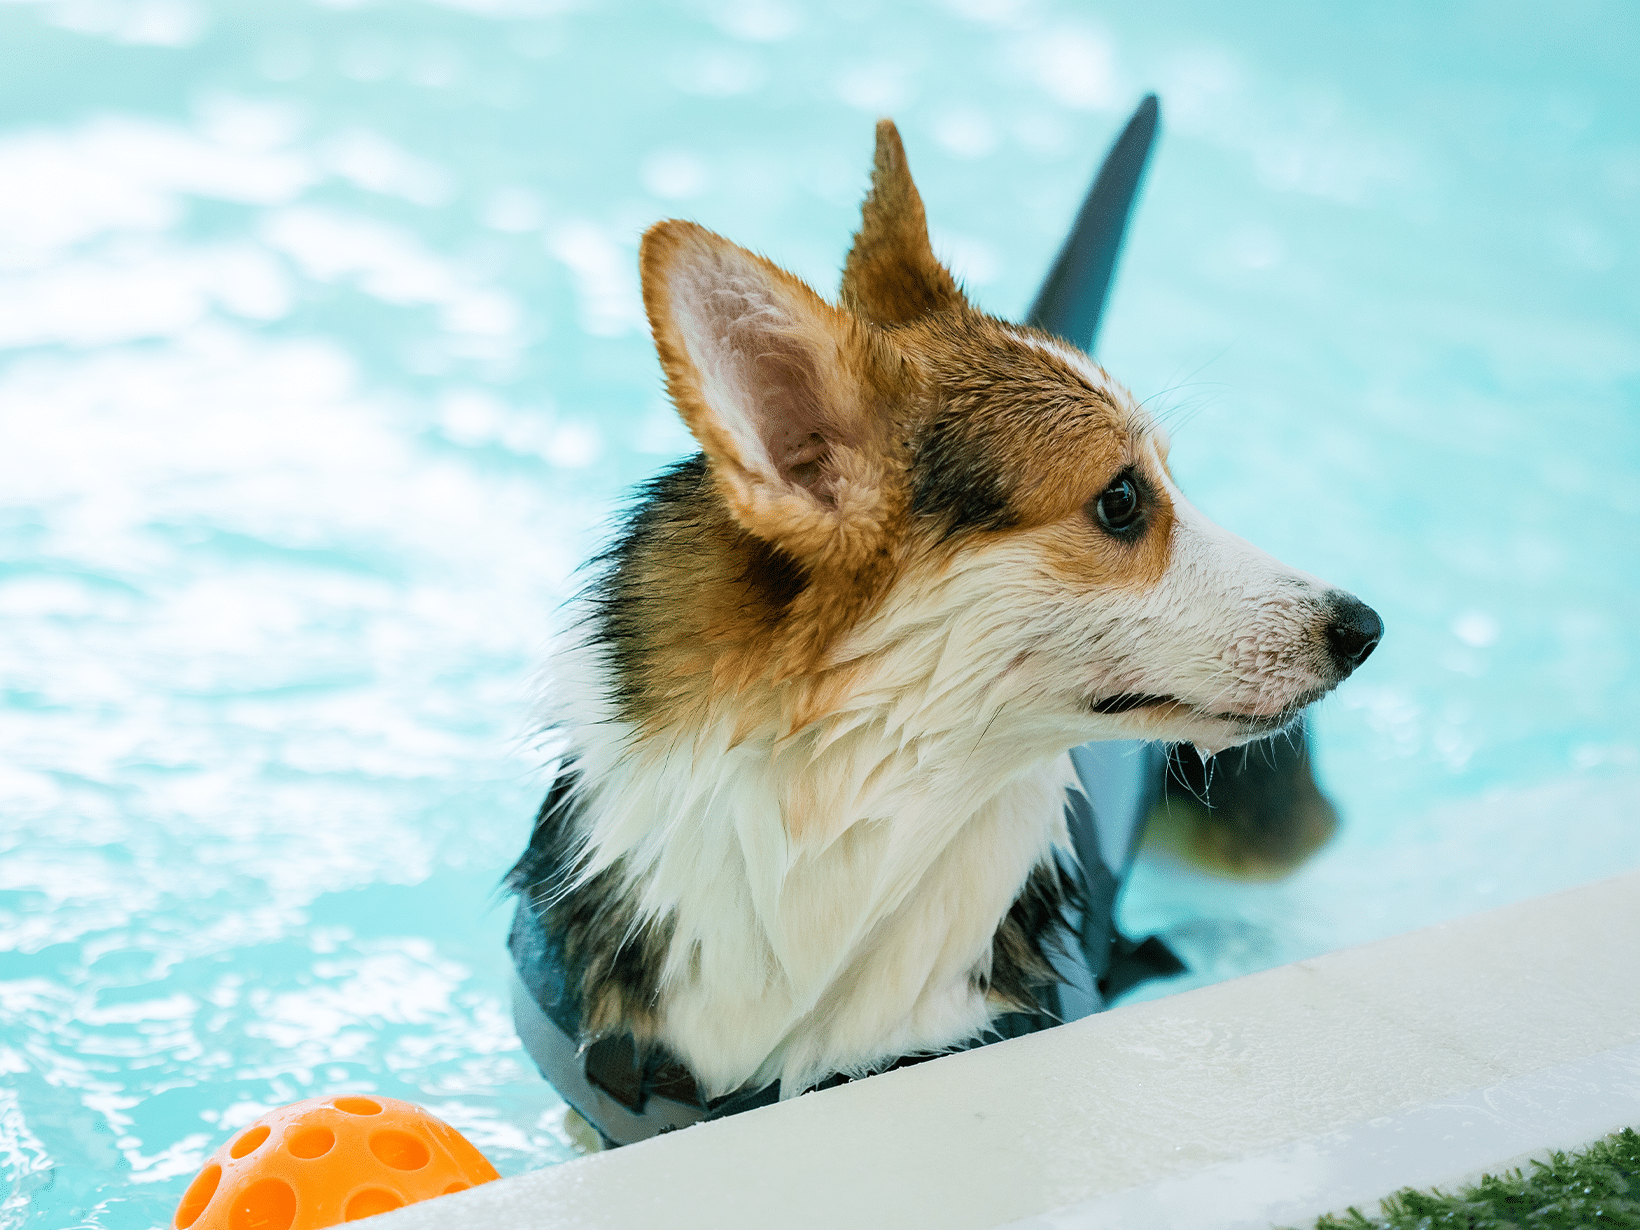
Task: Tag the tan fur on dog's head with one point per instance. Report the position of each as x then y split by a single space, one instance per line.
892 276
905 434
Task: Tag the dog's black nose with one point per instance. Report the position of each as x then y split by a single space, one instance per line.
1353 632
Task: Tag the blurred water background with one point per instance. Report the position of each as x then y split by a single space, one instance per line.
323 365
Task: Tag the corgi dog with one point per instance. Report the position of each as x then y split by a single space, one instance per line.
810 809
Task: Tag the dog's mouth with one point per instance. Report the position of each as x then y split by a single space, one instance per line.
1251 723
1129 701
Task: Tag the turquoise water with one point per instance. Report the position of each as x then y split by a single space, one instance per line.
323 365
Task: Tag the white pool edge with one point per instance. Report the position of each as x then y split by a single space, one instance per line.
1444 1143
1417 1060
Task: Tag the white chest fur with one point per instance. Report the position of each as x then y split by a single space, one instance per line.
856 941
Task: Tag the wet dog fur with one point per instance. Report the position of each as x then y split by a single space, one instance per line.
816 711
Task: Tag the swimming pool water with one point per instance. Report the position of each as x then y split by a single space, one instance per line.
323 365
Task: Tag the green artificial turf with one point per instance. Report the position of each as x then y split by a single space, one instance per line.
1598 1186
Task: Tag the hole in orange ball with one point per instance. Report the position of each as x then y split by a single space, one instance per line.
400 1150
460 1185
358 1106
370 1201
197 1196
249 1141
269 1204
311 1142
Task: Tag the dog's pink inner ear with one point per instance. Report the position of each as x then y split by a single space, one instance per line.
801 463
788 393
760 346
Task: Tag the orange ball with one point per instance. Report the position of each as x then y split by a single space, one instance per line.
328 1160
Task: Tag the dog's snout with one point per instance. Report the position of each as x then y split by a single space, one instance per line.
1353 632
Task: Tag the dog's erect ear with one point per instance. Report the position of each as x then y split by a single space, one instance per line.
784 392
892 276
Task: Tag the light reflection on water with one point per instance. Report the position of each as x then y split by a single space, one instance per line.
323 360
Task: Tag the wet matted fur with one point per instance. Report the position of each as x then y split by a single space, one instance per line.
816 707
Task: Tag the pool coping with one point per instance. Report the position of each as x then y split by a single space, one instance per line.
1273 1097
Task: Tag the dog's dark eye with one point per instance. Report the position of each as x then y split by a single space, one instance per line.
1117 507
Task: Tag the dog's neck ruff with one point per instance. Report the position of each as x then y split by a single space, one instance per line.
829 896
